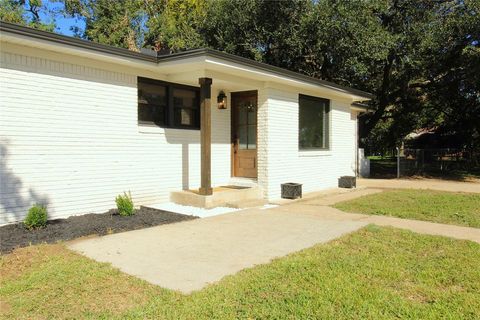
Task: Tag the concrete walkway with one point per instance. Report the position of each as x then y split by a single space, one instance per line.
318 206
187 256
423 227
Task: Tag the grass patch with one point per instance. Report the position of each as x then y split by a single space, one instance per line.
460 175
437 206
50 281
374 273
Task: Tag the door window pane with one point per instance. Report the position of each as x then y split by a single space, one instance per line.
247 125
252 137
242 115
252 115
242 137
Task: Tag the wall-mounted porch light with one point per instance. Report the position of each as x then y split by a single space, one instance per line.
222 100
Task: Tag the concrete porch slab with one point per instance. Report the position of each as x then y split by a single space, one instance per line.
188 256
220 198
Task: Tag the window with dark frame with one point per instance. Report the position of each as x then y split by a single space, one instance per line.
313 123
168 105
185 105
152 103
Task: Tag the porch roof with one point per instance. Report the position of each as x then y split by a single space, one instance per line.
211 53
168 63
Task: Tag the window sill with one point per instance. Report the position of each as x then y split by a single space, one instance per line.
153 128
146 128
314 153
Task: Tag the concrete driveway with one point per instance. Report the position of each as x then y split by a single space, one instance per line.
189 255
422 183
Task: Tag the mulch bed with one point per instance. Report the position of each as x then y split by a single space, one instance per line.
16 235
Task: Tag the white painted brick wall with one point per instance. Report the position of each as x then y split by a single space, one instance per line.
262 140
69 137
314 169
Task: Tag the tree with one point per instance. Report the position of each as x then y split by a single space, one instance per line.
405 22
12 11
262 30
116 23
163 25
27 13
451 65
420 58
174 25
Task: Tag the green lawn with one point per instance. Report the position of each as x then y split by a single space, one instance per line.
376 273
443 207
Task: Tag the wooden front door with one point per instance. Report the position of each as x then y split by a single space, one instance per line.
244 134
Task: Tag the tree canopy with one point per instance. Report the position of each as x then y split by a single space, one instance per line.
420 58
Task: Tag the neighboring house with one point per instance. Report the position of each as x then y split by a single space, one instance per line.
81 122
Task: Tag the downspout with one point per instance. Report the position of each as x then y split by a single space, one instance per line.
357 165
359 108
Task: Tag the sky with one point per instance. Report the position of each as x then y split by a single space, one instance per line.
63 24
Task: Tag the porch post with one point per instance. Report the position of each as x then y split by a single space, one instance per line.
205 135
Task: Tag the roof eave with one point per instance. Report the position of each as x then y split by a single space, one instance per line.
73 42
207 52
361 107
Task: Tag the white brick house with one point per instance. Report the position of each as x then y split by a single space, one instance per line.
82 122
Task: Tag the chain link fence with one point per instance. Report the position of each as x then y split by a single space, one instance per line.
435 161
425 162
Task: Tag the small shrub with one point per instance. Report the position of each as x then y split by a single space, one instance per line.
36 217
125 204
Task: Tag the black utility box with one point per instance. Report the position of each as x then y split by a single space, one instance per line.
347 182
291 190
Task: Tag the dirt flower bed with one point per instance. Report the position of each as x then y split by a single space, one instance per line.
16 235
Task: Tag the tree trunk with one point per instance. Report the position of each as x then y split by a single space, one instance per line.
382 95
